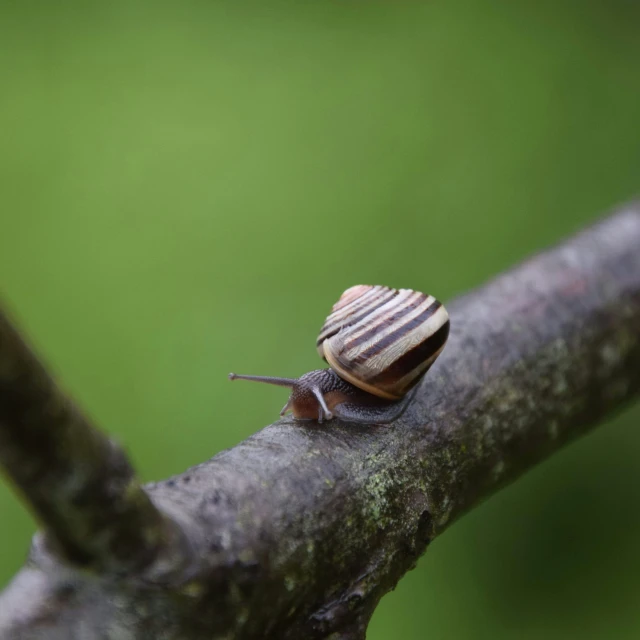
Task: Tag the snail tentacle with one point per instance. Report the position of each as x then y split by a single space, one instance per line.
323 410
286 407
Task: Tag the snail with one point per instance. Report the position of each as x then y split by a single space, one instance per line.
379 342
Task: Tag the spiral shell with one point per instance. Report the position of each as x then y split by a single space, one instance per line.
383 340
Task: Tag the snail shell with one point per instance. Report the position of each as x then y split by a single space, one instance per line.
383 340
378 342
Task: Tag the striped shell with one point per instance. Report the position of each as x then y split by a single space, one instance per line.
383 340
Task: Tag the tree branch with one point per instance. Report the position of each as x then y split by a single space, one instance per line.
79 483
299 530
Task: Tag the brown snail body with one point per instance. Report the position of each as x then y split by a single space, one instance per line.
379 342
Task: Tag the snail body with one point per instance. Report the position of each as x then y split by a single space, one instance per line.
378 342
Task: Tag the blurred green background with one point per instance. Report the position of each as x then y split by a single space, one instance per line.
186 188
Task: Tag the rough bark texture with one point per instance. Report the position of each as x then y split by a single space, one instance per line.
298 531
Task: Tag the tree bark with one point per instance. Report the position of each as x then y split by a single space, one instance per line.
77 481
298 531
